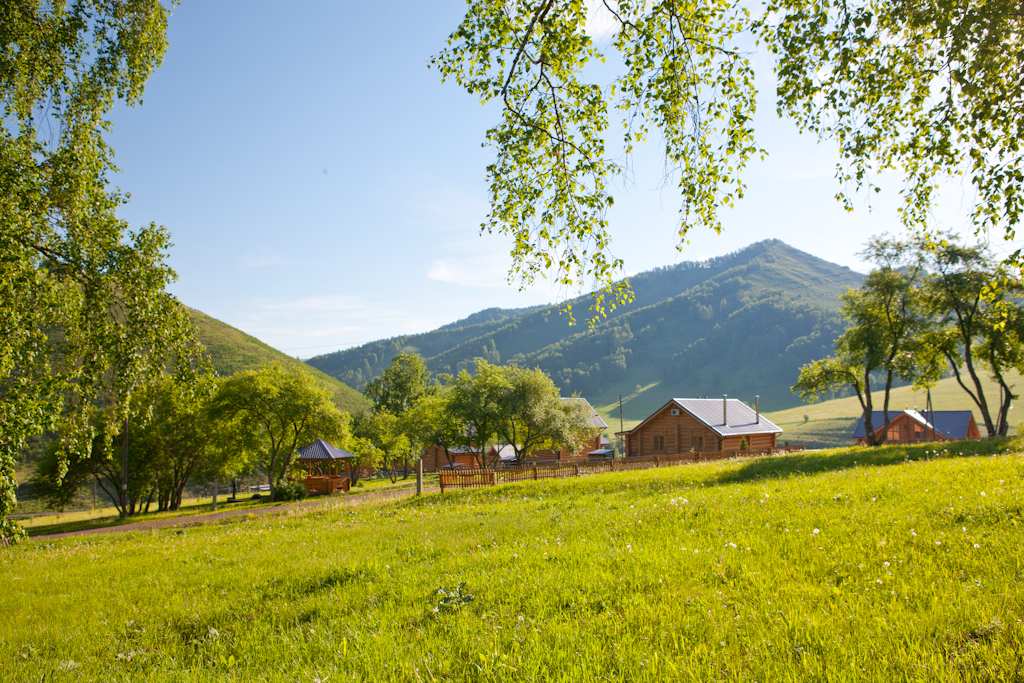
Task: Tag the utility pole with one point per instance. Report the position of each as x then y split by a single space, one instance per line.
931 413
622 441
124 469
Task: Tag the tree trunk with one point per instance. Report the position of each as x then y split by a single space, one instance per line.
869 427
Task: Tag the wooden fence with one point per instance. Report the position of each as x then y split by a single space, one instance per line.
466 479
473 478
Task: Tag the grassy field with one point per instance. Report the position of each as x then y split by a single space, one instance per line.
894 564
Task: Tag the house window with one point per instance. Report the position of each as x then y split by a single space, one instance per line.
659 443
697 443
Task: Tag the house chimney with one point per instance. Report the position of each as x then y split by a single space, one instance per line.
725 411
757 408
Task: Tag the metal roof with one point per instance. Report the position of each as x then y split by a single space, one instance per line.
321 450
595 419
742 418
952 424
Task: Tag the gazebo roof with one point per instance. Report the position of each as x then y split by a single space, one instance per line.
321 450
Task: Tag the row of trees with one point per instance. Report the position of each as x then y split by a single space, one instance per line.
252 421
256 420
506 405
930 307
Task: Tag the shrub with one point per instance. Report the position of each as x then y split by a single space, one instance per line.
289 490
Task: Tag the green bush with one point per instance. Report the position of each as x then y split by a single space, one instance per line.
289 490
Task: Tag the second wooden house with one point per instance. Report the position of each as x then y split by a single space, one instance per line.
701 425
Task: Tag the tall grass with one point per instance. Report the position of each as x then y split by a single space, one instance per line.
891 564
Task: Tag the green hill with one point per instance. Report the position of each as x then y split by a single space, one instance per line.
830 423
740 324
231 350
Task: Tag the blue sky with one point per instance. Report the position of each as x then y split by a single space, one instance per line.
324 188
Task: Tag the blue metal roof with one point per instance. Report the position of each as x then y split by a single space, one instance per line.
952 424
321 450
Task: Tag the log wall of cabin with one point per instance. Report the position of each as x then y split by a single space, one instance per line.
755 442
546 454
678 431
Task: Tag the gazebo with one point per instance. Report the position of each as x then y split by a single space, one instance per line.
321 461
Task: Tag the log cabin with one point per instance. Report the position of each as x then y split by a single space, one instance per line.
712 426
910 426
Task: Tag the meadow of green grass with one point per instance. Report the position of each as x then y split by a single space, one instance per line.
851 564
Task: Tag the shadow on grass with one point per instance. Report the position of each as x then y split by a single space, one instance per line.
801 464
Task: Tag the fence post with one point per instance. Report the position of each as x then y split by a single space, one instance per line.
440 478
216 487
575 470
657 461
419 476
535 473
611 465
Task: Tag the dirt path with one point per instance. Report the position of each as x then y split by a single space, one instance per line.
217 516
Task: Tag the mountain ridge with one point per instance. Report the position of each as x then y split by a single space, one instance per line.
739 323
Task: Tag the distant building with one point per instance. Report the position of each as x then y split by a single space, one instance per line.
908 426
701 425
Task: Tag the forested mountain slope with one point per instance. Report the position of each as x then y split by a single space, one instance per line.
740 324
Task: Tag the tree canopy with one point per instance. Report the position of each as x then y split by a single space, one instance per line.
931 307
401 384
926 88
273 411
84 308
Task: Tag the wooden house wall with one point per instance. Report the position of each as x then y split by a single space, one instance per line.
755 442
434 459
678 432
562 455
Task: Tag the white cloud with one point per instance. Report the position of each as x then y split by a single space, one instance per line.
473 272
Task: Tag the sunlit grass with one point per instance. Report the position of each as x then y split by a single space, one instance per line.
854 564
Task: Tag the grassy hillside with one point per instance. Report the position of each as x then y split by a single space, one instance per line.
740 324
831 423
855 564
232 350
